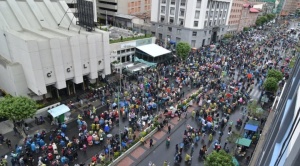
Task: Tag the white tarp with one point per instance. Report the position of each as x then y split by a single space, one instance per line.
59 110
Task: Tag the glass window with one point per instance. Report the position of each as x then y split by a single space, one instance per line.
181 12
163 9
205 23
172 10
172 2
182 2
196 23
171 21
163 1
181 22
208 3
194 33
170 29
197 14
198 5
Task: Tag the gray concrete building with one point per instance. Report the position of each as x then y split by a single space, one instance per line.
198 22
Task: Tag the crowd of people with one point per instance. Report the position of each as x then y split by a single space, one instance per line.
225 72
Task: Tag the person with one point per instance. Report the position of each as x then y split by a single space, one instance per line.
151 142
168 141
16 131
142 140
1 139
210 137
165 163
169 129
187 157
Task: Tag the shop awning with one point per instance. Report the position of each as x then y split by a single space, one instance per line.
59 110
251 127
253 122
243 141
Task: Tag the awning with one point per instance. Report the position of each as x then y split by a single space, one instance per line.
243 141
251 127
253 122
59 110
153 50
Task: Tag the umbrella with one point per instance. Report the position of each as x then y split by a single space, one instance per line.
109 135
249 75
122 104
228 95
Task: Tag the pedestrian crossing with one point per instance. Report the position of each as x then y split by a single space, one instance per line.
255 93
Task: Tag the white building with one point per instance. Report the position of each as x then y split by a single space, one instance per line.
198 22
43 52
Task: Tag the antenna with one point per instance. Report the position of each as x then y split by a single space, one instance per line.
71 22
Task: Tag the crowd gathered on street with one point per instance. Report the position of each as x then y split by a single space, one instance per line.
225 72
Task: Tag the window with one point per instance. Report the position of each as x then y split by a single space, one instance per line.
178 31
218 5
196 23
181 12
170 29
171 21
163 9
197 14
172 2
163 1
216 14
193 43
198 5
206 15
208 3
162 18
205 23
182 3
205 33
180 22
208 40
194 33
209 32
214 23
220 15
224 14
209 24
177 39
172 10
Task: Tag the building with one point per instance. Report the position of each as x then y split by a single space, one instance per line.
109 8
279 143
235 15
197 22
43 53
289 7
248 16
264 7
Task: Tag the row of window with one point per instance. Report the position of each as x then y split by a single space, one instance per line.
233 22
182 2
125 50
194 33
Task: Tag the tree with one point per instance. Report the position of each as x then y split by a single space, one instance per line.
183 49
227 36
254 109
275 74
271 84
220 158
17 108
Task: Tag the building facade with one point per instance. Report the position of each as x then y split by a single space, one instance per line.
235 15
197 22
281 146
109 8
248 17
43 53
289 6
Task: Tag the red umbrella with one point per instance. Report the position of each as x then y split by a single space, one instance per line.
249 75
228 95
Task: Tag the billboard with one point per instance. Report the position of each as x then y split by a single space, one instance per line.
85 11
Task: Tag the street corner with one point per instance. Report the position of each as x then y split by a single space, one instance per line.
159 135
138 152
126 161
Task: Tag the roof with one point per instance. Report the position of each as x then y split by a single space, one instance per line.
38 20
252 10
258 6
126 16
246 5
59 110
154 50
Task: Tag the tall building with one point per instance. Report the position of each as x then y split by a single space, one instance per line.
279 143
235 15
109 8
248 16
198 22
43 53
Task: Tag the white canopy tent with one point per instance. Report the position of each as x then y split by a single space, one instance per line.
60 113
153 50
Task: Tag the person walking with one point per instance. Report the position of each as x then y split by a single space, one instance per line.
151 142
1 139
16 131
8 143
169 129
210 137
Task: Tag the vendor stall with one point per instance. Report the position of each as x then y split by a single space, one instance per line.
243 141
251 127
60 113
253 122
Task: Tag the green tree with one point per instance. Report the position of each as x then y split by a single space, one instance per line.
227 36
275 74
270 84
17 108
220 158
254 109
183 49
270 16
